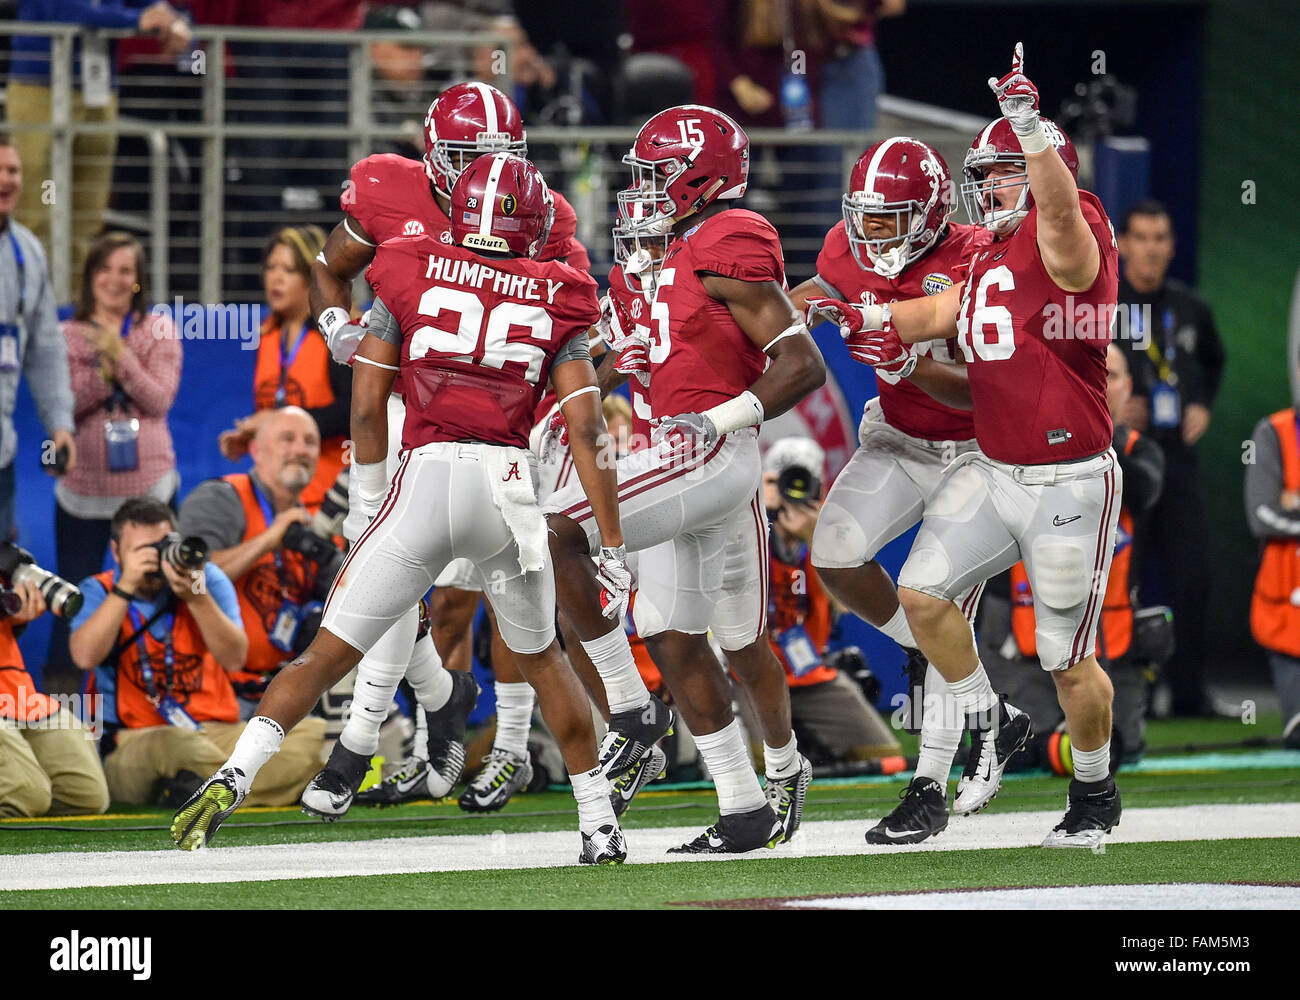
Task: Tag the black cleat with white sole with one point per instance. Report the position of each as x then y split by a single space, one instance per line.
408 783
786 796
447 735
1093 811
992 748
624 788
922 814
631 735
329 795
737 833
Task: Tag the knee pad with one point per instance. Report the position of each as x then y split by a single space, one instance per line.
927 570
1062 571
838 540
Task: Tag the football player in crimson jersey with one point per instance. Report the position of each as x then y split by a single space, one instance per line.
896 242
474 327
726 349
388 196
1033 322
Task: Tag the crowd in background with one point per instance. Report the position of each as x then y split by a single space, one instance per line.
106 378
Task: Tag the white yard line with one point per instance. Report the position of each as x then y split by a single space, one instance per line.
390 856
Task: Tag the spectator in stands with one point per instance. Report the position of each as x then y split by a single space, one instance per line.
1177 361
398 97
244 518
48 763
30 340
830 715
162 645
1273 513
294 367
29 100
852 76
125 367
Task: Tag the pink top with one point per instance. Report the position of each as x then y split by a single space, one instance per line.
149 371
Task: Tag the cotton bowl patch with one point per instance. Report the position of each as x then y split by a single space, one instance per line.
935 283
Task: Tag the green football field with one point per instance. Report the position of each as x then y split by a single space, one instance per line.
1194 822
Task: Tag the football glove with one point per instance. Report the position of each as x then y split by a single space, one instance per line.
615 581
687 430
554 437
883 351
634 361
851 318
615 325
1018 97
341 334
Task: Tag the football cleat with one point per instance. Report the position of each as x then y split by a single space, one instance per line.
329 795
195 822
1093 810
447 735
996 745
410 781
503 774
971 765
922 814
631 735
624 788
606 846
736 833
786 796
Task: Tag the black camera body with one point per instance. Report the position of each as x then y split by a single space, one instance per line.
184 553
18 566
322 552
798 485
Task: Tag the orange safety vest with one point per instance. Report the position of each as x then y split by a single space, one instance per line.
1275 607
306 384
1116 607
264 589
797 598
198 683
20 699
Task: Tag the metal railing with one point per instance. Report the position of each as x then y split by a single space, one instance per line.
207 167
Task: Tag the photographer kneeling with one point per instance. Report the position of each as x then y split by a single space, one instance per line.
48 762
162 632
258 530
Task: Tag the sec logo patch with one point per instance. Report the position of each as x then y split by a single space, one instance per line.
935 283
413 227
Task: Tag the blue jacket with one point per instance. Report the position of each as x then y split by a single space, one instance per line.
31 53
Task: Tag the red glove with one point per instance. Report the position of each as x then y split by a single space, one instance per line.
554 437
883 351
635 361
850 317
1017 96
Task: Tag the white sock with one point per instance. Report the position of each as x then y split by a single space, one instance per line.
420 748
974 694
258 743
783 762
898 629
1091 765
514 717
372 697
612 657
591 790
727 758
942 724
427 676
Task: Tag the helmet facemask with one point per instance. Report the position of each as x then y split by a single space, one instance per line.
639 246
978 192
889 256
451 156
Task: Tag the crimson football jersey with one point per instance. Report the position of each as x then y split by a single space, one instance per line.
634 305
906 406
1036 354
390 196
479 336
699 355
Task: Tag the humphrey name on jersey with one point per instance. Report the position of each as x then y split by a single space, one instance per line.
473 274
102 954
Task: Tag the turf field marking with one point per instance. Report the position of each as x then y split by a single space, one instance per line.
386 856
1181 896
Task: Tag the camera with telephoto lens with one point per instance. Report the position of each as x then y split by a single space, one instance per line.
184 553
798 486
328 521
853 663
18 566
301 538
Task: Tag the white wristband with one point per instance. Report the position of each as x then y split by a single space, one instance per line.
371 479
331 319
742 411
1036 141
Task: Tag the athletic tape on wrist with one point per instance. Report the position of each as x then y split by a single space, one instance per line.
1035 141
744 410
372 479
331 319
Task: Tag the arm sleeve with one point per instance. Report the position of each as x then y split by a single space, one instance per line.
223 592
1144 474
1210 353
1264 513
574 349
45 362
214 513
383 324
335 419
